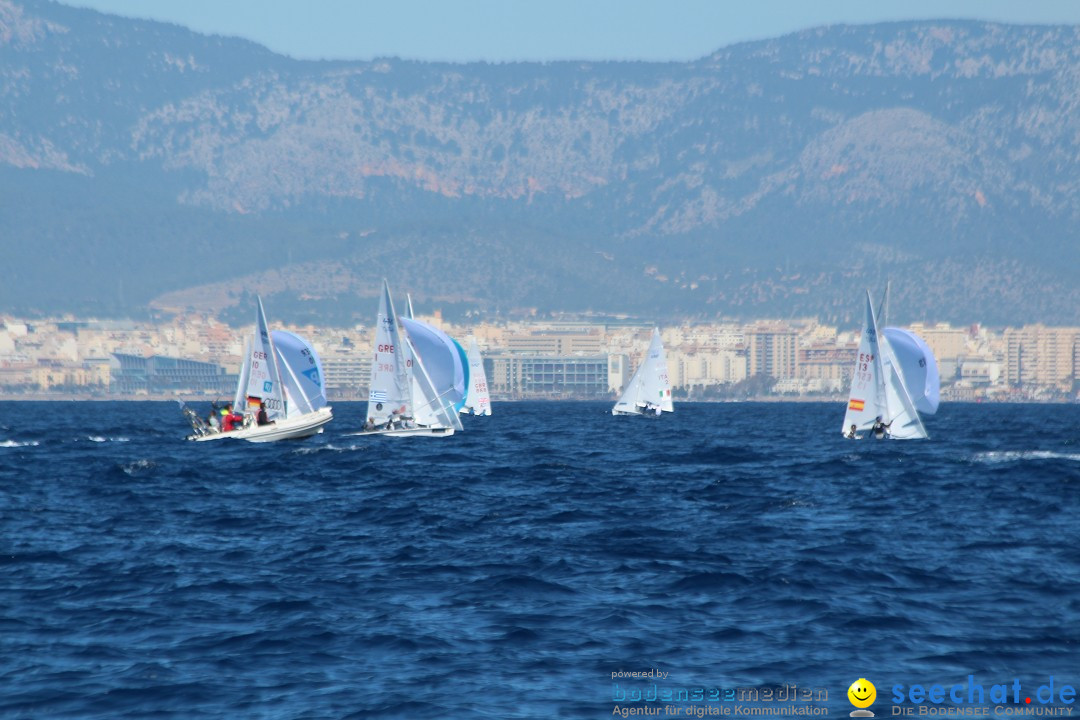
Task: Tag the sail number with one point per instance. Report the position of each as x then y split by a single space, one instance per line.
386 348
256 356
862 368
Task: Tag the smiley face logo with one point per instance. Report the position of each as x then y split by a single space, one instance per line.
862 694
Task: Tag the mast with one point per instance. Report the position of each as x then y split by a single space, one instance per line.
883 309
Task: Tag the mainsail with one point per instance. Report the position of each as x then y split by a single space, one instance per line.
389 389
261 371
478 400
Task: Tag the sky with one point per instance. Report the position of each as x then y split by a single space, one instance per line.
538 30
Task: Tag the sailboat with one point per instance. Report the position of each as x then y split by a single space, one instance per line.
403 399
878 390
477 401
649 391
281 373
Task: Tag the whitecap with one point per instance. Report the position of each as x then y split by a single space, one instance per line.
1007 456
132 468
16 443
329 448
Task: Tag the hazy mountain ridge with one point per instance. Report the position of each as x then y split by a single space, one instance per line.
772 177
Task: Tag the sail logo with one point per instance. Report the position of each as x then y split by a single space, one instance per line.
313 376
268 386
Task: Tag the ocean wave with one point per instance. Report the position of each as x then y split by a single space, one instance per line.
1009 456
17 443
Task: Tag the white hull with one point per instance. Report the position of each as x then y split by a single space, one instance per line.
289 429
410 432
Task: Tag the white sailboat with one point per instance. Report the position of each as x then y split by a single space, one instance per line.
478 400
282 373
402 399
649 391
878 390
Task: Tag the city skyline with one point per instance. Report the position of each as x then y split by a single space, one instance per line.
764 359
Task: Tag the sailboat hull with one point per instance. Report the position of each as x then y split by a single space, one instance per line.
287 429
410 432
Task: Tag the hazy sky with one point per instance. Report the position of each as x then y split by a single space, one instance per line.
499 30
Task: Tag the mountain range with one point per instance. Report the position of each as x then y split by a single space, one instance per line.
148 168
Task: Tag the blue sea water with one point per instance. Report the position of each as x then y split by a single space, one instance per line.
509 571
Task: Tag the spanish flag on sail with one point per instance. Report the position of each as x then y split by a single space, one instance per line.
856 405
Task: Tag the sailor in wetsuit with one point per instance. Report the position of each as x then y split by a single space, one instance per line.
262 418
880 429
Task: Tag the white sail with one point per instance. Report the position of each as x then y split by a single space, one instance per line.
649 390
239 397
478 400
431 406
389 389
902 418
301 373
438 354
877 387
263 381
915 359
918 367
